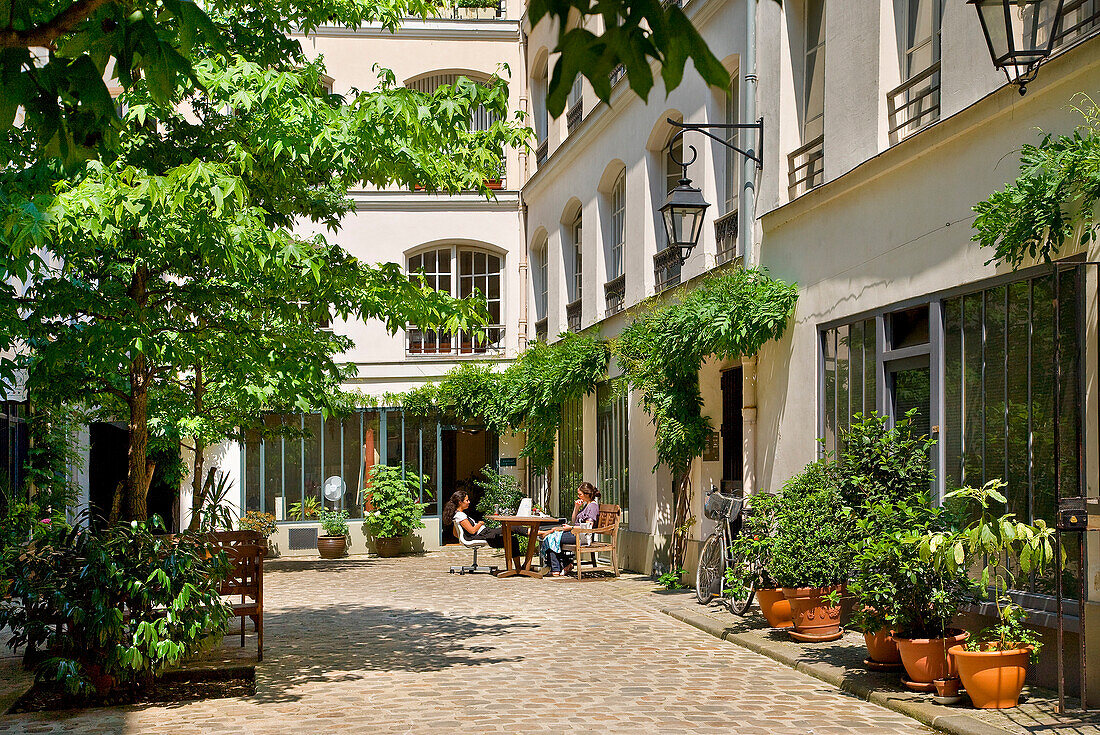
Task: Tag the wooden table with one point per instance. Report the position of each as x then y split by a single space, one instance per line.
508 523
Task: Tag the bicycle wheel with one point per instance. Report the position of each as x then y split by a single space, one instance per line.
712 570
739 601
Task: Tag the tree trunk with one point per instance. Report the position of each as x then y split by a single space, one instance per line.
139 471
682 520
198 488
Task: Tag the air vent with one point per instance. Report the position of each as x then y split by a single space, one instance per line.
302 538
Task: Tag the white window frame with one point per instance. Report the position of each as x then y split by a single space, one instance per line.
458 286
618 227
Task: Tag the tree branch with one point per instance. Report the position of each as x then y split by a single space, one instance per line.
44 34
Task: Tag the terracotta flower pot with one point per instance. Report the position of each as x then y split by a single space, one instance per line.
993 679
947 687
332 547
925 659
388 548
814 619
775 608
881 647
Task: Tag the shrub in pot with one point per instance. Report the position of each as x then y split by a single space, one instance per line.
993 663
753 547
262 523
333 543
500 495
397 510
811 551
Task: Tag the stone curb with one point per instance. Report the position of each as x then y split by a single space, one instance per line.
933 715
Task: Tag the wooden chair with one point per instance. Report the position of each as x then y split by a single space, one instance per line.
245 579
607 525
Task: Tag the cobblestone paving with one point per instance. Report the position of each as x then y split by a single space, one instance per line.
402 646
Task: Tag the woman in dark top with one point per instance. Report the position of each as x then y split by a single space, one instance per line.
586 509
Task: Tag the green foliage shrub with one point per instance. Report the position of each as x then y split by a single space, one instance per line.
880 462
500 494
261 523
397 507
754 545
333 522
813 531
110 609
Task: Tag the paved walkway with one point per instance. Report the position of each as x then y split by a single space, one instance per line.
402 646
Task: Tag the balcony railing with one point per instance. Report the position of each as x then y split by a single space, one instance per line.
666 269
914 103
805 170
488 12
616 74
430 343
542 329
614 293
573 117
1080 18
573 315
541 151
725 235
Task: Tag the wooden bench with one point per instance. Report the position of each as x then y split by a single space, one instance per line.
607 525
245 551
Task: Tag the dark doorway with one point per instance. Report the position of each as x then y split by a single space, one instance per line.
106 467
108 444
733 431
465 451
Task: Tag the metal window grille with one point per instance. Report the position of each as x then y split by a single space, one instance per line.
666 270
612 445
614 292
1080 18
804 167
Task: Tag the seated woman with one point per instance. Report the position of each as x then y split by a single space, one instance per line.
454 511
586 509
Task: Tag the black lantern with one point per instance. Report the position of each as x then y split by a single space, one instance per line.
1020 34
683 215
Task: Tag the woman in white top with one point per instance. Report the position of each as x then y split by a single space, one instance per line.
454 511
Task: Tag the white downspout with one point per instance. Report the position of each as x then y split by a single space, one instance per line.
751 258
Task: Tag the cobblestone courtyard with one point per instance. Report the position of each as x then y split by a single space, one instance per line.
402 646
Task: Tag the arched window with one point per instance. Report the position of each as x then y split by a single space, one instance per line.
482 119
575 263
618 227
460 272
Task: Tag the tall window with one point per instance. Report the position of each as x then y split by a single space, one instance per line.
916 102
612 446
574 109
733 159
460 272
481 119
570 451
666 264
618 227
849 361
540 272
1079 19
14 444
576 257
813 72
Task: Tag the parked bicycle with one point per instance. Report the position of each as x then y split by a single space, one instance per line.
716 556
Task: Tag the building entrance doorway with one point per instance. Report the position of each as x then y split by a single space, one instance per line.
465 451
733 431
107 468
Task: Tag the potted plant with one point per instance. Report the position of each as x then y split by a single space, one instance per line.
500 495
397 510
754 545
261 523
810 552
333 543
993 663
305 510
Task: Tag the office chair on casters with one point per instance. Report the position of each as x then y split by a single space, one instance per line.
474 544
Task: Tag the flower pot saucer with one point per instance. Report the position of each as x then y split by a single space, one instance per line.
948 701
873 665
815 637
917 686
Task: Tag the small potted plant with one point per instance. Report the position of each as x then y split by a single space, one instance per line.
754 545
261 523
993 663
811 552
304 510
396 508
333 543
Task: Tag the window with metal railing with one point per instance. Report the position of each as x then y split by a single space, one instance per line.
804 167
574 106
666 269
471 10
725 237
916 101
573 315
1080 18
461 272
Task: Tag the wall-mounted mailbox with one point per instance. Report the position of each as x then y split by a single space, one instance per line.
1079 514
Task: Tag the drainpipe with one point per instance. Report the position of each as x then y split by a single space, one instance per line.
748 230
748 189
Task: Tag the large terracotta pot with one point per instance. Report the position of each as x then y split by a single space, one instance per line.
775 608
993 679
925 659
881 647
815 620
332 547
388 548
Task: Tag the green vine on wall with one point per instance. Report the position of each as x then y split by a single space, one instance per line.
729 315
1052 199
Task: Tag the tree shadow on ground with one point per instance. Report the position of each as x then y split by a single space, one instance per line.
329 566
339 642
